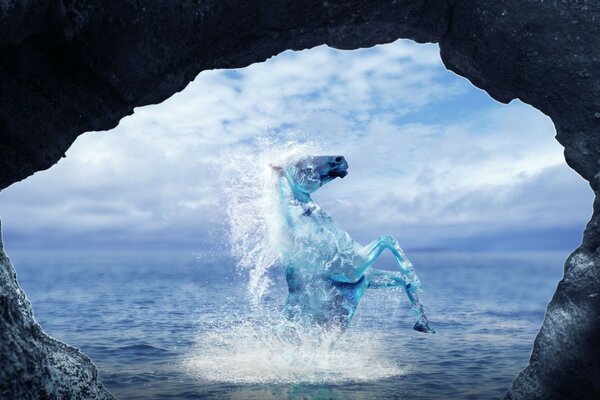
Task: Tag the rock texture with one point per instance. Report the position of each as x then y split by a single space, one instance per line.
546 53
71 66
68 67
34 365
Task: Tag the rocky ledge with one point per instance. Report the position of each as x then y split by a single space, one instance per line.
34 365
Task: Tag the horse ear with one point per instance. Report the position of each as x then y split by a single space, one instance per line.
277 169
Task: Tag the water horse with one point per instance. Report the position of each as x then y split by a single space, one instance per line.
327 272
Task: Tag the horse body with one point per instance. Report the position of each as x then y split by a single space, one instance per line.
327 272
319 248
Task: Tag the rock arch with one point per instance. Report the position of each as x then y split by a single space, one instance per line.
68 67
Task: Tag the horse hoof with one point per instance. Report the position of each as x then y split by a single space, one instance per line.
423 327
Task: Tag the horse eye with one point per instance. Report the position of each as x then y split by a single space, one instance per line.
338 159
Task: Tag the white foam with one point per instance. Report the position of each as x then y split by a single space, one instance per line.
250 352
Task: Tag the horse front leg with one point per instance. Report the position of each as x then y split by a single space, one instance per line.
412 284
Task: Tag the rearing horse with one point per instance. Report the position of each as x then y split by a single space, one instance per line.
327 272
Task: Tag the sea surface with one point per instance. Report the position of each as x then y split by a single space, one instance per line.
180 326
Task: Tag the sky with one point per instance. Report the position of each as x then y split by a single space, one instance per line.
433 160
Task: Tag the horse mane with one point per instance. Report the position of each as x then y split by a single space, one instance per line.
253 212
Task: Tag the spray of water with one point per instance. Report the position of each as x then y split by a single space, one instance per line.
250 352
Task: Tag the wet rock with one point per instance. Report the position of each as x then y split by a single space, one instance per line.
564 362
35 365
544 54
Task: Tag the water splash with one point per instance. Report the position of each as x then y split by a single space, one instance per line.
250 352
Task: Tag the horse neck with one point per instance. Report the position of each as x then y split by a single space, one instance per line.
290 198
291 193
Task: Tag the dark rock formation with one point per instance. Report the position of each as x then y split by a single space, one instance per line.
67 67
546 53
34 365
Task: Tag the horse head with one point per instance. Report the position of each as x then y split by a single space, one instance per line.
310 173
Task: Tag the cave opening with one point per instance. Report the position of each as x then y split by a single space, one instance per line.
474 191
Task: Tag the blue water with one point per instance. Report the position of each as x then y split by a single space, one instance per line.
169 326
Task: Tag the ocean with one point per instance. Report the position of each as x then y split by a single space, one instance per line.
179 325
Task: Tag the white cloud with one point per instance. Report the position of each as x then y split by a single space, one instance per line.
426 152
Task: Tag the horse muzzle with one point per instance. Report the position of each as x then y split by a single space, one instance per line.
338 173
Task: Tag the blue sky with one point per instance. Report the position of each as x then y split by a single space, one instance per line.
433 160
